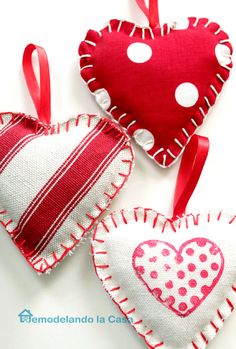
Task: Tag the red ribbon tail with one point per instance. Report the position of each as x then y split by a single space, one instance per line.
190 170
154 20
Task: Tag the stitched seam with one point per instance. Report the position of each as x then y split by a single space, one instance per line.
57 128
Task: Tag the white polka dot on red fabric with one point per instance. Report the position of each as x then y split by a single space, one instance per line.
223 54
139 52
144 138
102 98
186 94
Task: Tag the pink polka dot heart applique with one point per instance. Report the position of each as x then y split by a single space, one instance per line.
157 82
56 180
174 279
179 263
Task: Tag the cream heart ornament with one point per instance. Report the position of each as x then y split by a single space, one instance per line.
175 281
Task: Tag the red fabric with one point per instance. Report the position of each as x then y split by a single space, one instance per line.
40 93
144 93
190 170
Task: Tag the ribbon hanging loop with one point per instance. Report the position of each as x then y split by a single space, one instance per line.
151 12
40 93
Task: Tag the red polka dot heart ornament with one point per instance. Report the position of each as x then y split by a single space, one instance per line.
157 82
56 180
174 279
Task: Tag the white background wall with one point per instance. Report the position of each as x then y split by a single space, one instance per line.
72 288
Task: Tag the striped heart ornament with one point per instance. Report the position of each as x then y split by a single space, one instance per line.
56 180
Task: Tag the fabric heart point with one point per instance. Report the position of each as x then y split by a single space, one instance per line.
175 277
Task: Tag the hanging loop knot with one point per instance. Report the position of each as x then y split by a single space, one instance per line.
151 12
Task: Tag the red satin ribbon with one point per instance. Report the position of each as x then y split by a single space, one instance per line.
151 13
40 93
190 170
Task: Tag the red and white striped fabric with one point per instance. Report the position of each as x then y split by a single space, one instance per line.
56 181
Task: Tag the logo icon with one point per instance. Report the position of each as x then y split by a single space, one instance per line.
25 316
